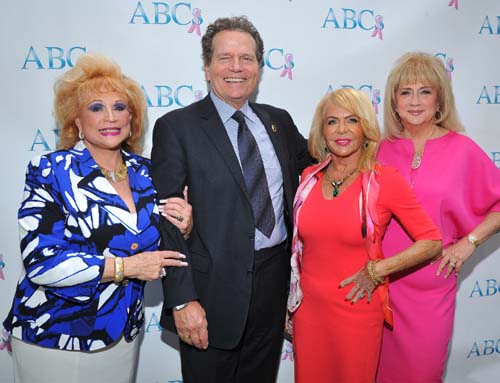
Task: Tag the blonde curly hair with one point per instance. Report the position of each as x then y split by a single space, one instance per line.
93 74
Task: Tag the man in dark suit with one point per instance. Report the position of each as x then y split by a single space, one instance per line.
241 161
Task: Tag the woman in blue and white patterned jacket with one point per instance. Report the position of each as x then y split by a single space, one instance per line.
89 225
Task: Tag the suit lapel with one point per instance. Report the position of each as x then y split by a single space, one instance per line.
96 188
142 190
216 132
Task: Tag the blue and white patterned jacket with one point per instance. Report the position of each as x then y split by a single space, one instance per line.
70 219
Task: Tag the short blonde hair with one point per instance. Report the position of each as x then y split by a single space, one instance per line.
357 103
97 74
413 68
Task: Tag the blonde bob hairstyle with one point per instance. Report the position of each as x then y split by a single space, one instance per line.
357 103
424 68
94 74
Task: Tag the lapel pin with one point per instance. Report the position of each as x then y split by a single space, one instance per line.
274 128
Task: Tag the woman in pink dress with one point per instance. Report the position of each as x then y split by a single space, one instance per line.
460 188
341 210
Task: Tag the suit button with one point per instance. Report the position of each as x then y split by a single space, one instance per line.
134 246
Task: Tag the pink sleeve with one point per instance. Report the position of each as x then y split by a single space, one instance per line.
473 192
482 177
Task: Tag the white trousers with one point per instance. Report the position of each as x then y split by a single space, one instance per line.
116 363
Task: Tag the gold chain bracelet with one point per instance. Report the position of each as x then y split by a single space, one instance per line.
373 275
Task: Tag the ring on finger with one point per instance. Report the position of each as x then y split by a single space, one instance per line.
179 218
453 264
163 273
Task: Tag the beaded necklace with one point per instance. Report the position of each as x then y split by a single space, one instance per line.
336 184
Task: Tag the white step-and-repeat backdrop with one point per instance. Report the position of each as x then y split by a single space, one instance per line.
311 47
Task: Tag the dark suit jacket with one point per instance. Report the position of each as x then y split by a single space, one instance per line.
191 147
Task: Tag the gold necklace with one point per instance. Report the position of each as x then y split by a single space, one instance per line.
417 156
338 183
116 176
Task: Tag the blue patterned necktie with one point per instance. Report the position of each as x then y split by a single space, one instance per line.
255 177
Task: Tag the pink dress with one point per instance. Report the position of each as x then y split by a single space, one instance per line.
458 185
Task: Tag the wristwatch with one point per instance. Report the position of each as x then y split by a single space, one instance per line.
180 307
473 240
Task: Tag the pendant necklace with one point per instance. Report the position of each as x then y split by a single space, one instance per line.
417 160
116 176
336 184
417 156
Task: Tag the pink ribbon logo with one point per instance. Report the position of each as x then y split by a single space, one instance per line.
198 95
5 341
2 266
287 69
196 22
453 3
376 99
287 352
379 25
449 67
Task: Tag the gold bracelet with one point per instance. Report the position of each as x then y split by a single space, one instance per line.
472 239
373 275
119 270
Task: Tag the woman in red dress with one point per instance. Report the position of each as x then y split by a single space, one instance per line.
341 211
